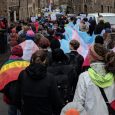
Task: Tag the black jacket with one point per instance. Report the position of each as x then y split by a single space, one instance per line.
76 60
38 92
65 76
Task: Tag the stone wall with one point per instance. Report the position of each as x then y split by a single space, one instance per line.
3 8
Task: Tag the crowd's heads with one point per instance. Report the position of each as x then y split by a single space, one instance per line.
30 34
84 27
17 51
99 39
38 36
74 44
44 43
25 28
50 32
110 62
109 39
13 30
99 53
58 55
107 25
55 44
85 19
100 19
39 57
72 19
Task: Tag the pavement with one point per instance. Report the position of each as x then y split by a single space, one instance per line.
3 106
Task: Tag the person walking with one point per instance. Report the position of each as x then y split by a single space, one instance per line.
37 88
99 77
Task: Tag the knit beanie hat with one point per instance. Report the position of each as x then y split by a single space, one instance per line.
17 51
30 34
94 54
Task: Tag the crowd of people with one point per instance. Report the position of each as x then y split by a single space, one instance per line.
47 74
3 35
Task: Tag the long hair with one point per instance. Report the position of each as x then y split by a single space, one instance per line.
108 57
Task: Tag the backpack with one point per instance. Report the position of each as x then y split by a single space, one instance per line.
76 61
64 76
111 107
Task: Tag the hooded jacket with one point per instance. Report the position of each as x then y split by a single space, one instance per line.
38 91
88 94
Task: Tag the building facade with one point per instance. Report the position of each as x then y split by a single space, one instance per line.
22 9
3 8
92 6
87 6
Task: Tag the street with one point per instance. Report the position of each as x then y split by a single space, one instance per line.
3 106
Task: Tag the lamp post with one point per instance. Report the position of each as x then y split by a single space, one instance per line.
27 10
19 9
39 8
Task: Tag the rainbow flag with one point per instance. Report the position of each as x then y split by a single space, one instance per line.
11 70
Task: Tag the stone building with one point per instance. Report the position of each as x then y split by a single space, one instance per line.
87 6
23 10
3 8
91 6
13 6
9 9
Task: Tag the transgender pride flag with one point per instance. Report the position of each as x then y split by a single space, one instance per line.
70 34
83 49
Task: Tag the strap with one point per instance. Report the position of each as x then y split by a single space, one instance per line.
106 100
104 95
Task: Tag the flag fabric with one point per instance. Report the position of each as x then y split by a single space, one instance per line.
10 71
29 47
85 43
86 37
83 49
113 49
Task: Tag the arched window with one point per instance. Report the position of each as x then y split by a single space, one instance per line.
101 8
108 8
85 8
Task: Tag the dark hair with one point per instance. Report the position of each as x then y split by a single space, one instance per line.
72 18
38 57
55 44
99 28
109 57
50 32
107 25
85 19
100 50
58 55
92 27
44 43
99 39
75 44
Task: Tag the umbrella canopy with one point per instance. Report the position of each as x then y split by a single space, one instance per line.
10 71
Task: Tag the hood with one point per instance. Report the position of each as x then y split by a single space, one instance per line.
36 71
99 67
99 80
13 57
